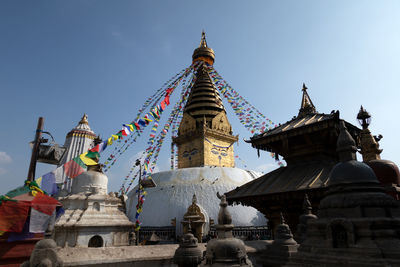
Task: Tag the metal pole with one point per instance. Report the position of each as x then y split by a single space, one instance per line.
140 182
38 135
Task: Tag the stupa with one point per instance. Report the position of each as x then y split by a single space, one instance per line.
92 217
79 140
205 163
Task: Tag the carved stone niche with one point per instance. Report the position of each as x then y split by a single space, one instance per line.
221 123
196 218
187 125
340 234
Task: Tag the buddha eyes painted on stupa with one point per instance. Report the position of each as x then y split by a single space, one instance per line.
188 154
219 151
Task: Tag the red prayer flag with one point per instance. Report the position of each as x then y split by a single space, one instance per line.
73 169
44 203
167 100
96 148
13 215
163 104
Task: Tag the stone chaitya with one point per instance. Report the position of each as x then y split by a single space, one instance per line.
282 248
92 217
303 220
188 253
358 224
225 250
195 219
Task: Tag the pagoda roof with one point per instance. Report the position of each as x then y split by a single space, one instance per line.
297 123
295 177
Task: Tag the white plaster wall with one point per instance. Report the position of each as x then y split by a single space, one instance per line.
174 191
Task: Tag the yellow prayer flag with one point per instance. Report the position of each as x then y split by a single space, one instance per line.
86 160
39 181
114 136
109 141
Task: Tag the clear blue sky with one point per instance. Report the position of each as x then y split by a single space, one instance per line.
59 59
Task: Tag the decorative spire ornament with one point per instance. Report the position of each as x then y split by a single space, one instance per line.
307 106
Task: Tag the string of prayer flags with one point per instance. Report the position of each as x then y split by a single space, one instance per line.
252 119
153 114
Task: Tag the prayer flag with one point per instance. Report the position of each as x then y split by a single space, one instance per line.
73 169
13 215
87 158
163 104
48 183
39 221
24 234
44 203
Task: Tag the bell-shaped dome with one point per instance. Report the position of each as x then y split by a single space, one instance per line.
175 189
349 170
386 171
352 172
90 182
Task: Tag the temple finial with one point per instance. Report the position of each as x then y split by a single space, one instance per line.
307 205
346 146
304 87
282 219
307 106
203 42
84 119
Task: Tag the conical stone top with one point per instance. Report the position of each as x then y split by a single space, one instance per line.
224 217
225 250
283 235
349 170
307 106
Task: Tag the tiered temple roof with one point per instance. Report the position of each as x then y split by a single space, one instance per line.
308 144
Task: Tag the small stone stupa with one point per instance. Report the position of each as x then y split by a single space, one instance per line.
282 248
188 253
92 217
303 219
358 224
225 250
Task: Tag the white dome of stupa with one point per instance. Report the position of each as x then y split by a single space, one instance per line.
90 182
175 189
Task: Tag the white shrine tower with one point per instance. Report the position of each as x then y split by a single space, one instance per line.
79 140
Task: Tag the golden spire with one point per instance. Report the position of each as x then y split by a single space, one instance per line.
84 119
203 41
203 52
307 106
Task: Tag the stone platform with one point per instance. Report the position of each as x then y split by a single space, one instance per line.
135 256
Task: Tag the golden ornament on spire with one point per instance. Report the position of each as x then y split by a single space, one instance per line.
203 52
203 41
84 119
307 106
